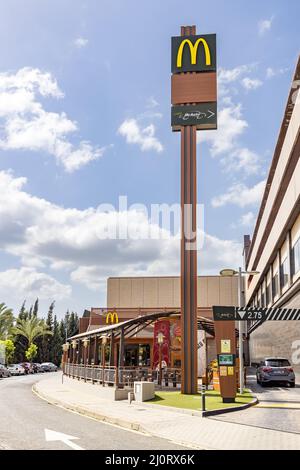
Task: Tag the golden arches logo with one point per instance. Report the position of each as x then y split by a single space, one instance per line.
193 51
112 317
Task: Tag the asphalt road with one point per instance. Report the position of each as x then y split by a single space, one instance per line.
24 418
278 408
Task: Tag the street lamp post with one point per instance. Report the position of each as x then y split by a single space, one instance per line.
104 341
160 340
241 348
239 273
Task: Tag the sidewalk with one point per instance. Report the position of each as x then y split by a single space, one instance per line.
203 433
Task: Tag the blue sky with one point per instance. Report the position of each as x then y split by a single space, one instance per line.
85 118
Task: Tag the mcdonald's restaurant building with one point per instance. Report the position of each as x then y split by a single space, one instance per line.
274 250
130 297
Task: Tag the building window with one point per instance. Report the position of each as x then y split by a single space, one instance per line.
268 294
284 272
275 284
262 299
296 256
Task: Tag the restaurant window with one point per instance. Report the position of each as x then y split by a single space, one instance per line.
284 273
275 284
296 256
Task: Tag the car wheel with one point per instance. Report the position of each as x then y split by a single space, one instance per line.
292 384
263 384
257 380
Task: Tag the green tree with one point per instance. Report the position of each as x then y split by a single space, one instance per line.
6 321
35 308
31 352
73 324
31 329
57 342
9 350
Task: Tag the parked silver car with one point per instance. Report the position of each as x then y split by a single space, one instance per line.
4 372
275 370
16 369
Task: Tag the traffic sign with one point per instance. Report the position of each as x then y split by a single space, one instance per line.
255 313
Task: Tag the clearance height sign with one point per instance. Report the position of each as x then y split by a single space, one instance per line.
194 82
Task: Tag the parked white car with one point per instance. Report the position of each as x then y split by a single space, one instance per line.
16 369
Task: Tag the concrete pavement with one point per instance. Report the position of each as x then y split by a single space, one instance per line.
278 408
24 419
203 433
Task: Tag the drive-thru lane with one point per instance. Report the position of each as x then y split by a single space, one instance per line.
27 422
278 408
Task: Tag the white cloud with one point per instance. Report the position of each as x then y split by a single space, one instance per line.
30 284
225 141
144 137
81 42
227 79
26 125
241 159
42 235
230 127
271 72
231 75
248 219
152 102
264 25
251 83
241 195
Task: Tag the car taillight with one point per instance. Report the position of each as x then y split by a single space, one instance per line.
290 369
267 369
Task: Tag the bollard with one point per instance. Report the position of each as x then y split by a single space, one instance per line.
203 388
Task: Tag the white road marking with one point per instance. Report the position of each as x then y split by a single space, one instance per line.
51 436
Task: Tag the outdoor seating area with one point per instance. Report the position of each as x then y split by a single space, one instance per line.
121 377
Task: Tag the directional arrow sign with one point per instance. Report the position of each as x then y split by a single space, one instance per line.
51 436
201 115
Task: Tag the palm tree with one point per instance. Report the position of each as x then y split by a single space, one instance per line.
31 329
6 321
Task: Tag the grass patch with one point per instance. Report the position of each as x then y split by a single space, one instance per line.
213 400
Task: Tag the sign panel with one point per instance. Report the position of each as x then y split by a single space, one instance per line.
223 371
194 53
223 313
230 370
255 313
202 115
225 346
226 359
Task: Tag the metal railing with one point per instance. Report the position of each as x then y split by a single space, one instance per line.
122 376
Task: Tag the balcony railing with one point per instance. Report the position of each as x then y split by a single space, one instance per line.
122 376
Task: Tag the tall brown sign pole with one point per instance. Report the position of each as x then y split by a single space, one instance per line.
194 107
188 253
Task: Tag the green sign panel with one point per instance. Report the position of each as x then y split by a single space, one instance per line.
201 115
226 359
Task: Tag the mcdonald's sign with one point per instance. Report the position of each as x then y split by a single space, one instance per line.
194 53
112 318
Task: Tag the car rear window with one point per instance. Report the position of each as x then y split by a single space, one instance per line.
277 363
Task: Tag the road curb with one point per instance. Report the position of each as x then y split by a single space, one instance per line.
91 414
231 409
199 413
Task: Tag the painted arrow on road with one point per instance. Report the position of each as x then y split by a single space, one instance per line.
51 436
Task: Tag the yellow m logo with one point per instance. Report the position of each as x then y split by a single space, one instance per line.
112 318
193 51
